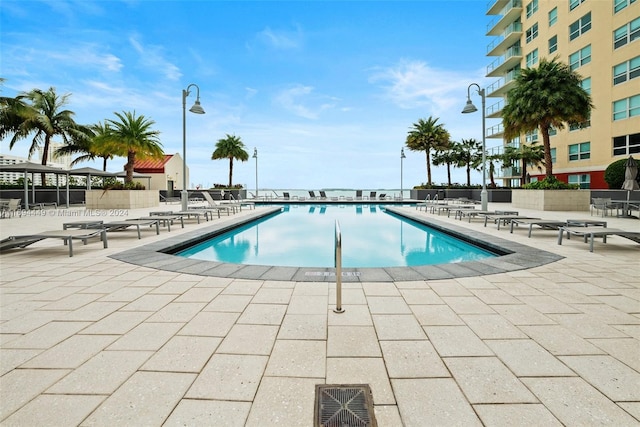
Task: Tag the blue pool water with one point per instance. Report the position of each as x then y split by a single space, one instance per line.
304 236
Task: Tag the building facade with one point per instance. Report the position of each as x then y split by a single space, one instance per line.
600 40
165 173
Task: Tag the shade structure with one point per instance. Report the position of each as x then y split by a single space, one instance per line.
33 168
630 174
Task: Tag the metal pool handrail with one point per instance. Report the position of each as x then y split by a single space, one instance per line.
338 264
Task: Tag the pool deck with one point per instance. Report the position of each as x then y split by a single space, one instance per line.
98 339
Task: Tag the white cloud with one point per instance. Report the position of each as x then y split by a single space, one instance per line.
281 39
152 57
301 101
414 84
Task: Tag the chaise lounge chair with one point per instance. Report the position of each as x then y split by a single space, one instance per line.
312 195
66 235
590 233
358 194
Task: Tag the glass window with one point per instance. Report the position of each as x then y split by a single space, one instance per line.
586 85
553 44
580 26
583 180
580 58
532 32
532 58
553 16
626 71
626 144
575 3
553 155
532 8
580 151
618 5
531 136
625 108
626 34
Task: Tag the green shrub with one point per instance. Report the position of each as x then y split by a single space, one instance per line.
550 183
614 174
120 186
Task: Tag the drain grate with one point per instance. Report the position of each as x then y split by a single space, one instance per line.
346 405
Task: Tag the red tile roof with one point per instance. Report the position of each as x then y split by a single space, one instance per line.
151 165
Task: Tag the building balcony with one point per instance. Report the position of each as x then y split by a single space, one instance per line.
496 131
511 59
493 111
509 14
511 35
502 85
495 6
513 172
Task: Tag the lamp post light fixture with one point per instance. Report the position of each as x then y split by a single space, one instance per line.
197 109
255 156
470 108
402 157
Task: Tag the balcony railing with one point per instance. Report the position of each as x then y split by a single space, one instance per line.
515 27
495 108
510 7
495 131
512 52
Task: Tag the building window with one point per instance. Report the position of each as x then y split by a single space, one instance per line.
531 136
578 126
532 58
553 16
553 155
552 131
626 71
580 27
580 151
625 108
626 34
575 3
586 85
532 8
583 180
580 58
553 44
618 5
626 144
532 32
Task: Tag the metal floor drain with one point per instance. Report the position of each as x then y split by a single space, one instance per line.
345 405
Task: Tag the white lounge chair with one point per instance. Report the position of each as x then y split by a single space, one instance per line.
67 237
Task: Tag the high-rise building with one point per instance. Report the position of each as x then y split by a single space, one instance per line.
600 40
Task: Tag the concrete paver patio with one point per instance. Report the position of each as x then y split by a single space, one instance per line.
92 340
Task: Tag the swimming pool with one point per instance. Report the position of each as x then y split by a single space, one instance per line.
303 236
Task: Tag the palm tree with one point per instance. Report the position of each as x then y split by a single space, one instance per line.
427 135
230 148
132 137
446 157
43 116
527 155
546 96
95 144
468 154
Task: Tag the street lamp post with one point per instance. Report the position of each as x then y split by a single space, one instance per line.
402 157
470 108
197 109
255 156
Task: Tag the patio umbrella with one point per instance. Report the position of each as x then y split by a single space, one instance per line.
630 173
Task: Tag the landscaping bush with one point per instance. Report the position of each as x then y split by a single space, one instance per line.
550 183
614 174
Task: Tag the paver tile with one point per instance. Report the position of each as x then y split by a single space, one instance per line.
397 327
412 359
50 410
625 350
421 296
283 401
210 324
308 304
491 326
46 336
209 412
71 353
611 377
183 354
487 380
559 340
526 358
305 359
229 377
229 303
303 327
263 314
146 336
102 374
20 386
147 398
467 305
436 315
433 401
272 296
456 341
532 415
574 402
354 315
387 305
249 339
352 341
362 371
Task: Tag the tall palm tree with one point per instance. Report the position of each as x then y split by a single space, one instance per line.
95 144
43 116
549 95
527 155
468 154
427 135
230 148
132 137
446 157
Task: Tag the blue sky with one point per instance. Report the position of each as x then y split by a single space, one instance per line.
326 91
